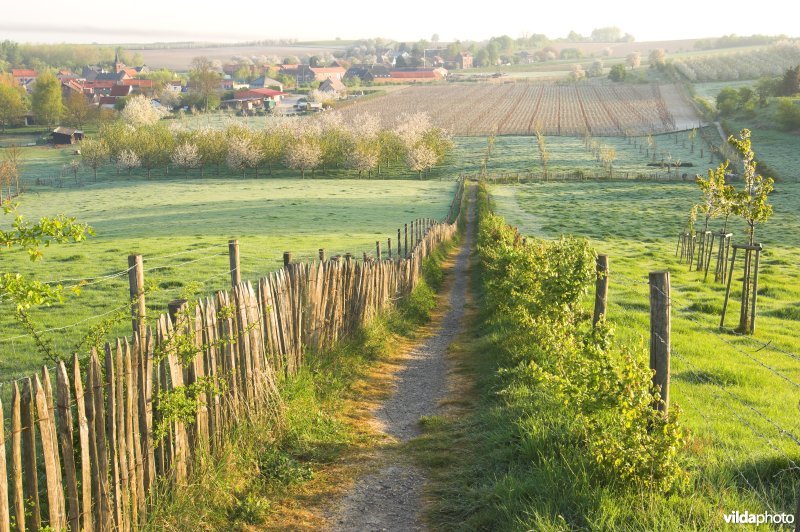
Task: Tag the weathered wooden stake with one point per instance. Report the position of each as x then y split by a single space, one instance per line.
755 294
660 328
601 289
728 289
378 255
399 244
405 226
389 247
136 284
287 258
322 254
236 270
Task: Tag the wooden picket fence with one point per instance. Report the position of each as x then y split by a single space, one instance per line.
88 454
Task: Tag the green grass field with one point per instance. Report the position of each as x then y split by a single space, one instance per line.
194 219
734 392
517 154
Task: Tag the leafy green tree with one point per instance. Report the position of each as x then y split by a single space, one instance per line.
94 153
204 80
790 85
46 99
617 72
787 114
12 105
77 111
752 202
767 87
153 145
727 101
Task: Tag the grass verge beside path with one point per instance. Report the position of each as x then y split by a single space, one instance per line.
275 473
541 431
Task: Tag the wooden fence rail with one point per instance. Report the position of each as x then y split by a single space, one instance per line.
87 455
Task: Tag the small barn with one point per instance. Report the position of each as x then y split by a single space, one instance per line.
66 135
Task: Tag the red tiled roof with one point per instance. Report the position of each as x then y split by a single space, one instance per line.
23 73
107 100
327 70
145 83
120 90
413 74
132 72
259 93
99 84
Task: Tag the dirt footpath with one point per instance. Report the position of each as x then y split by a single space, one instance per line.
391 497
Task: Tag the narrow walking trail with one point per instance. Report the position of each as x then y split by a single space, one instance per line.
390 498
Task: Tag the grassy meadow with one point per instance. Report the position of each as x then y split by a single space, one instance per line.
735 394
182 227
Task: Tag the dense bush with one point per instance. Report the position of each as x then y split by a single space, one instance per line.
597 392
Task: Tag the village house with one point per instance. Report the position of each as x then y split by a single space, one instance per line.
367 73
332 85
23 77
266 83
332 72
302 74
464 60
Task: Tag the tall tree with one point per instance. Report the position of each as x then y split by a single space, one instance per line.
46 99
204 79
12 105
77 110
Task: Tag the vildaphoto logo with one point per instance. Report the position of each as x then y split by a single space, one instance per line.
746 518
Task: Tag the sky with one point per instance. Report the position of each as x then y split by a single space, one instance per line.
410 20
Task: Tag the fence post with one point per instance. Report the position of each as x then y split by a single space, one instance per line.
322 254
405 226
378 256
233 255
600 289
399 249
287 258
136 284
389 247
660 328
412 234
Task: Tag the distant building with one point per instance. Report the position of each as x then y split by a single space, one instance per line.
464 60
23 77
266 83
367 73
323 73
302 74
66 135
262 94
332 85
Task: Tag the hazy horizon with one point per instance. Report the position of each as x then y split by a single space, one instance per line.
151 21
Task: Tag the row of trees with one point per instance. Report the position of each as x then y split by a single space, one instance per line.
325 142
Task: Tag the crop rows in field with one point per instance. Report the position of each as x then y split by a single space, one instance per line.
602 109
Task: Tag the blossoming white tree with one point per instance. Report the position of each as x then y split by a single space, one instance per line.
139 111
186 156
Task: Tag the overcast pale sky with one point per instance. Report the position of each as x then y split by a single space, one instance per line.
156 20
